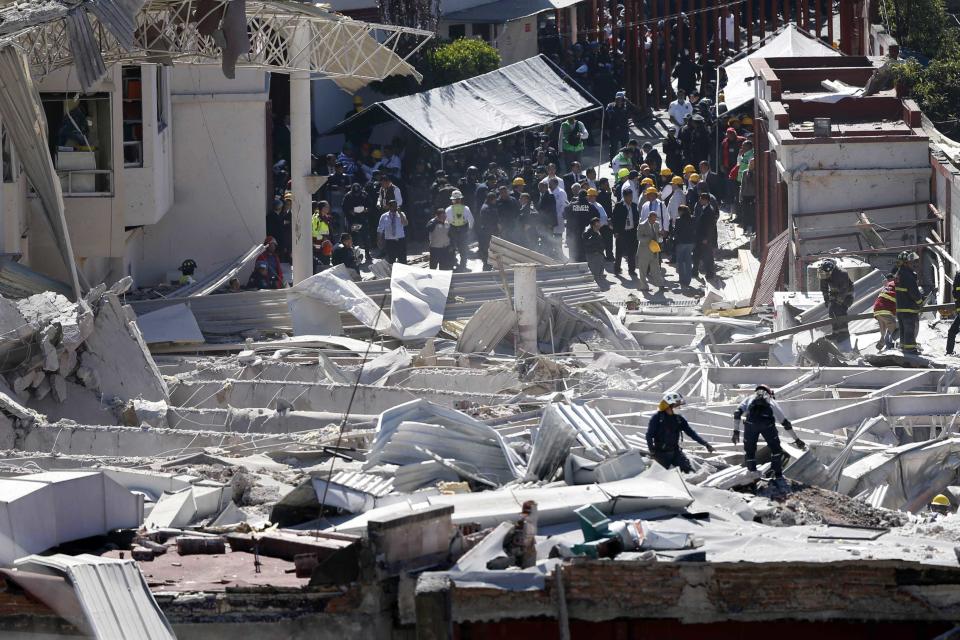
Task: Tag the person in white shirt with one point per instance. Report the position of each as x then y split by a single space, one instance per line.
556 189
392 234
551 173
632 182
600 211
680 108
653 205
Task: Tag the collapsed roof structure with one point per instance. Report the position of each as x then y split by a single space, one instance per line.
436 472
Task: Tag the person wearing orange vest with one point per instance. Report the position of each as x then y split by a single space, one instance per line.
885 311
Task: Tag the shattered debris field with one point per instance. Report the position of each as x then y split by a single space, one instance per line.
432 454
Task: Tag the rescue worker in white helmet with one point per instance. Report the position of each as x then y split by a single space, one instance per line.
461 221
837 289
761 413
665 430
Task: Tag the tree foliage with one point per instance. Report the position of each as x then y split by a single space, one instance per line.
918 25
444 63
461 59
924 28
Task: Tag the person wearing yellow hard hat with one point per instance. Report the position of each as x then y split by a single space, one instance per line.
357 107
665 175
692 181
746 122
688 169
940 505
647 182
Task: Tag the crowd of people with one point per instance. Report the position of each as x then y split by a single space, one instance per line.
537 190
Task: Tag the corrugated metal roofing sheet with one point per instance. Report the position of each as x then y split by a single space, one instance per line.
771 267
115 598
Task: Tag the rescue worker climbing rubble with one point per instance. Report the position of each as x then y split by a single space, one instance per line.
837 289
664 432
909 301
760 414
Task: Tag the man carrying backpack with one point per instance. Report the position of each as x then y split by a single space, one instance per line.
761 414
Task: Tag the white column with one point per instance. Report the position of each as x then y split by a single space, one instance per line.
525 303
300 148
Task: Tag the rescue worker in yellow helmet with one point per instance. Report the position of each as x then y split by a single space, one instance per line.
941 504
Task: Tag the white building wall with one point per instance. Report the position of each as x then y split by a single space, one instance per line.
220 168
517 40
149 189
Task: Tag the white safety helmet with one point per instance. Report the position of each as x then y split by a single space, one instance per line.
673 398
456 195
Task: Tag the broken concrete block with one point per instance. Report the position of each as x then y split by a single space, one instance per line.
59 386
68 362
88 378
42 390
412 540
119 358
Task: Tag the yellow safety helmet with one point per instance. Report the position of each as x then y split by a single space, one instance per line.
666 172
623 172
677 180
694 178
940 500
689 169
592 192
651 190
519 182
648 182
377 154
747 120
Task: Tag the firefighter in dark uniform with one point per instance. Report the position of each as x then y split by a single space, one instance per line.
761 413
909 301
665 430
837 289
955 327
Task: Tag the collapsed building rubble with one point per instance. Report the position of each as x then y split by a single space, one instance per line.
420 472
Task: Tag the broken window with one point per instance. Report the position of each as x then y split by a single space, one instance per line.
132 117
9 170
80 141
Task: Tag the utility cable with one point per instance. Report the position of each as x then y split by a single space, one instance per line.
346 415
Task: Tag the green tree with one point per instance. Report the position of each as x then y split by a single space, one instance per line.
458 60
443 63
919 25
938 92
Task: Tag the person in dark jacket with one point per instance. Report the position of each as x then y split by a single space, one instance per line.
592 244
909 301
651 157
837 289
685 238
673 152
508 211
576 216
955 326
618 122
761 414
664 432
712 181
344 254
625 218
487 226
706 215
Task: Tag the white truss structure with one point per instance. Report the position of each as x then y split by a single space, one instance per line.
333 46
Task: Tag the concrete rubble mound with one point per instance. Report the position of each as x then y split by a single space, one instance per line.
455 445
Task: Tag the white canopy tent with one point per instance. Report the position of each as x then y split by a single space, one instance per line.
526 94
